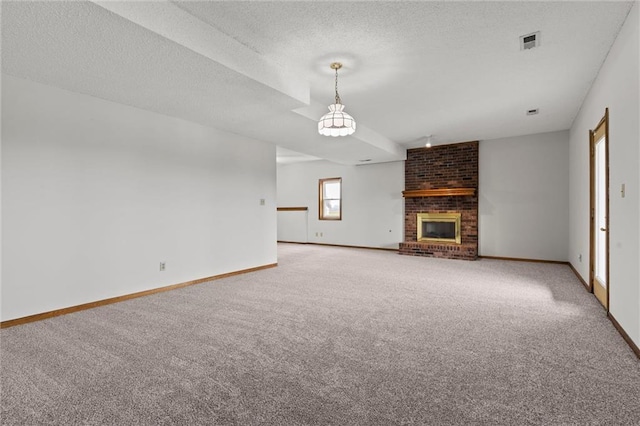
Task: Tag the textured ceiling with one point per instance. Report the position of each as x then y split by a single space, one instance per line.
451 69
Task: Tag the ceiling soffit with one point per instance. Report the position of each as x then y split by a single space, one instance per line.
451 69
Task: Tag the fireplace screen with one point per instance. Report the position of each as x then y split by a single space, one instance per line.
439 227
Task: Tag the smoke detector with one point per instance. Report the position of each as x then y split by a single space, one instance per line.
529 41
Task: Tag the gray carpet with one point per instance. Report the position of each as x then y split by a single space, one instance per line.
333 336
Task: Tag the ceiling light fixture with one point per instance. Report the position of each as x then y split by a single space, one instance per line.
429 140
336 122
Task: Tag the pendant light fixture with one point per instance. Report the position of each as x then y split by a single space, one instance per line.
336 122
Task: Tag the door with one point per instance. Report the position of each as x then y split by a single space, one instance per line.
600 211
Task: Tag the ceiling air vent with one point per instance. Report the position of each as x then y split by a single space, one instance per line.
532 111
530 41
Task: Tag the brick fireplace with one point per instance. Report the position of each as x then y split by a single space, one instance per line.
442 179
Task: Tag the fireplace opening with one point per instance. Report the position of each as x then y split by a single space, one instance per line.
439 227
439 230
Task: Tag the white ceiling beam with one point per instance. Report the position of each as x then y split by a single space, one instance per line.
173 23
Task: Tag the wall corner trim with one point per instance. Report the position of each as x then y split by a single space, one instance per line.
103 302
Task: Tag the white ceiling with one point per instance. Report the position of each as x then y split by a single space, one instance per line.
261 69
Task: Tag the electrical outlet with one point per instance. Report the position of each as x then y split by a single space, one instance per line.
163 265
321 234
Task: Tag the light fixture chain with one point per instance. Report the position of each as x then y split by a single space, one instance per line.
337 95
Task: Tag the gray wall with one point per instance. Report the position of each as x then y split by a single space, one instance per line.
372 203
524 197
96 194
617 88
523 190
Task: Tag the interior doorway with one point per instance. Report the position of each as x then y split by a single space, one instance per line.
599 177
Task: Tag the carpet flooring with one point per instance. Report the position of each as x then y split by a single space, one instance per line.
333 336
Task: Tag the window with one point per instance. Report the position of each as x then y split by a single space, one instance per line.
330 199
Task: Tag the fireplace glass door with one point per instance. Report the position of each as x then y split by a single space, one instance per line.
439 227
445 230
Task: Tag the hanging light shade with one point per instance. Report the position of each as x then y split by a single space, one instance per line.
336 122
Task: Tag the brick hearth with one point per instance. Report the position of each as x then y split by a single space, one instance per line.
442 167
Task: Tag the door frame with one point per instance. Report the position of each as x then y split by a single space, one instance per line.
592 195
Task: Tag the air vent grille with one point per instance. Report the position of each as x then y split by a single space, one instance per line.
529 41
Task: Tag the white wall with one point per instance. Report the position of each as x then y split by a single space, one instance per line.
372 203
95 194
617 88
292 226
524 197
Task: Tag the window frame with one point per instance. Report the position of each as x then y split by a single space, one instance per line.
321 199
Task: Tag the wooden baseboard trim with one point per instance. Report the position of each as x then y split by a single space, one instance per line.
624 335
518 259
90 305
615 323
292 209
342 245
584 283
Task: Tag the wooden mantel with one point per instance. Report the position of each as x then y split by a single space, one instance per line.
442 192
